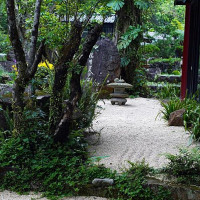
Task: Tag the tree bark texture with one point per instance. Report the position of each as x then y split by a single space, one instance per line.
24 75
61 71
34 36
128 15
75 87
63 129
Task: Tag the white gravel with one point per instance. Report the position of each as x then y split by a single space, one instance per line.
132 133
7 195
129 132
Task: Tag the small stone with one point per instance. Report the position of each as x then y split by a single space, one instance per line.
176 118
102 182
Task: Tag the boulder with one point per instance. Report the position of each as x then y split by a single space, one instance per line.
152 73
103 61
102 182
176 118
169 78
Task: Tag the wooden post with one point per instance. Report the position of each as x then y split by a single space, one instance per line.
185 52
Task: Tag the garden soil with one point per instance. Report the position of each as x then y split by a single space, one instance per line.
132 132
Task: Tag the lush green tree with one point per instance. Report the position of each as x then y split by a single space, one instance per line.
54 27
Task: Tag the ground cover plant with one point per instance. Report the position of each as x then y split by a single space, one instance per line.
36 163
184 166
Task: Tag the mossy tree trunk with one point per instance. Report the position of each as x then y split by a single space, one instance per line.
61 70
63 128
129 15
25 71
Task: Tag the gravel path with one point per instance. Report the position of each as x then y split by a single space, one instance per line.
132 132
128 132
6 195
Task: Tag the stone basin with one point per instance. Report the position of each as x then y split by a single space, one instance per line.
119 96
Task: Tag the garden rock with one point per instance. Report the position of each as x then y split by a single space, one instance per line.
166 67
176 118
169 78
152 72
102 182
105 60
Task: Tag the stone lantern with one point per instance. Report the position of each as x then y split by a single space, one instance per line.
119 96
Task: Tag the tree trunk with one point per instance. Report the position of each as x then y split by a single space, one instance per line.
128 15
63 129
24 73
61 70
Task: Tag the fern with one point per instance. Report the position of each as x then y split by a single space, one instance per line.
130 35
116 4
142 4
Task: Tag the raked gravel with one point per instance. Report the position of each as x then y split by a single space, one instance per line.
127 133
134 132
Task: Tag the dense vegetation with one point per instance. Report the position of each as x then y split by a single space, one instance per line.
43 146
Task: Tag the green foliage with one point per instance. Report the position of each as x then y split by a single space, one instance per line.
140 87
87 104
58 170
43 79
168 91
170 106
170 61
148 51
130 35
192 118
116 4
131 184
185 166
176 72
3 17
191 115
142 4
5 45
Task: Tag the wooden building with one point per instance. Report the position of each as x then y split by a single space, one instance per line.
191 53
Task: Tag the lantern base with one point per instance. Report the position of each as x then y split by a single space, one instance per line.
119 101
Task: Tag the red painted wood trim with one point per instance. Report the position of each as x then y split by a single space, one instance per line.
185 52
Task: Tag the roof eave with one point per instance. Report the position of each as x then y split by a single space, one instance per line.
180 2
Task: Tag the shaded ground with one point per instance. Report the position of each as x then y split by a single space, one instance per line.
132 132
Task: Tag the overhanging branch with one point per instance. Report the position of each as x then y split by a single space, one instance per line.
14 36
34 34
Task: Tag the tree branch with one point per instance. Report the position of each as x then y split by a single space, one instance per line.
75 87
90 42
72 45
14 37
38 58
34 36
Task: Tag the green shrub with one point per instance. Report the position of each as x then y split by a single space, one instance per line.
185 166
176 72
170 106
168 91
140 87
131 184
61 170
191 115
170 61
192 118
5 45
148 51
